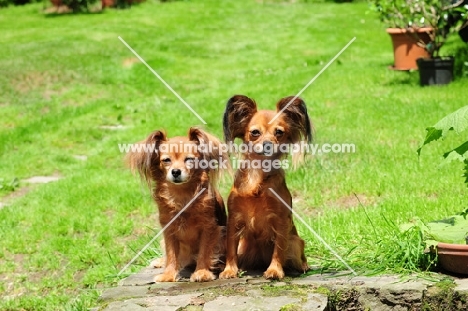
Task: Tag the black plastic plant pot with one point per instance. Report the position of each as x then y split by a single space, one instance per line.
435 71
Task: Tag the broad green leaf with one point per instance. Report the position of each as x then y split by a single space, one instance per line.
456 121
461 150
432 134
450 230
460 153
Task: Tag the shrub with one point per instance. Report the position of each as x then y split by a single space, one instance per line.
5 3
458 123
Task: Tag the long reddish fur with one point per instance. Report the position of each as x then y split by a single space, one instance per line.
260 231
196 236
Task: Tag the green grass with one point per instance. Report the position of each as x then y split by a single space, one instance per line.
65 77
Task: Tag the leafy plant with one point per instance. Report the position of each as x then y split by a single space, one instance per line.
453 229
455 122
442 17
449 230
396 13
9 186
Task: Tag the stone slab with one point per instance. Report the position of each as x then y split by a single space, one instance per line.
249 293
155 303
122 292
124 306
330 280
241 303
315 302
461 285
144 277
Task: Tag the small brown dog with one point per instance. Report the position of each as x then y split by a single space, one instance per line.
180 169
260 232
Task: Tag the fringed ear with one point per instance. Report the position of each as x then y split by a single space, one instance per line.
294 113
144 156
239 110
213 151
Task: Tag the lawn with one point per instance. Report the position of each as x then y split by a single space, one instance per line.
70 92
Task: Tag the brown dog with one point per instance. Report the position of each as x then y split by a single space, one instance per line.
261 233
179 169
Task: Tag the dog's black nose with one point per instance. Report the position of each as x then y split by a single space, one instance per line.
176 172
267 147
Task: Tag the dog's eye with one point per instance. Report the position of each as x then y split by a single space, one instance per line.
255 133
189 159
166 160
279 132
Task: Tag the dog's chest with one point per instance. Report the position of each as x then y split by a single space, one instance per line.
257 212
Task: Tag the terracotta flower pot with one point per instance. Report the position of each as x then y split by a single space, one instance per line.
107 3
405 48
453 257
56 3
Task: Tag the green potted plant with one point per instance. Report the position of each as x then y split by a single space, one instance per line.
463 32
449 235
405 30
445 17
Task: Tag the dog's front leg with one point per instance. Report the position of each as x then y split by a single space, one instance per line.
231 250
275 270
202 271
172 266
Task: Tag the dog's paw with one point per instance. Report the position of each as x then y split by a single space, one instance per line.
165 277
158 262
305 267
202 275
274 273
228 274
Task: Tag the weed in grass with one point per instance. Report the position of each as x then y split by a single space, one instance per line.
9 186
398 249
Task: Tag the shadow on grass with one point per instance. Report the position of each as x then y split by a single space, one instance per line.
407 77
59 12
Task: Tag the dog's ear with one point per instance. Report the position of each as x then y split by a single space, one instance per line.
144 157
198 135
211 148
294 112
239 110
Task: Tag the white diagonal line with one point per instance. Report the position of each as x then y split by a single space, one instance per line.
313 231
162 80
313 79
160 232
